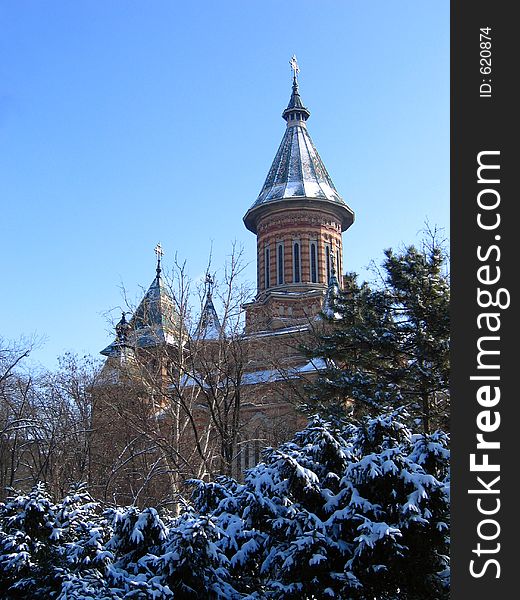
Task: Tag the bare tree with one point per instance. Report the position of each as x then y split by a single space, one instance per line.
177 402
45 420
15 418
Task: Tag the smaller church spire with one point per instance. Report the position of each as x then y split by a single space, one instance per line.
122 331
332 293
156 320
209 327
121 347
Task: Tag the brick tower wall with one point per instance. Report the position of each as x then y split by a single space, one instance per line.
303 226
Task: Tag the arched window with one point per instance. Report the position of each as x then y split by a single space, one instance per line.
296 262
280 259
314 263
267 261
327 261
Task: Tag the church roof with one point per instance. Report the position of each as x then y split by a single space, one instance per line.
297 171
155 322
156 319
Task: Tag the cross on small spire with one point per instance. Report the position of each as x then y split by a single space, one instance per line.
159 252
294 66
209 284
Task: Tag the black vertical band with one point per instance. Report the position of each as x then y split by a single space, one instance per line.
484 329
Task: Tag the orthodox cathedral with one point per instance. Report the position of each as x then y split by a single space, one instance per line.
298 219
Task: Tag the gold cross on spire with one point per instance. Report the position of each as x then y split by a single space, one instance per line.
159 252
294 66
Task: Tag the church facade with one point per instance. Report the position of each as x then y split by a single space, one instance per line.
298 219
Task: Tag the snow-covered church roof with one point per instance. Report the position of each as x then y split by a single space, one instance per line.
154 323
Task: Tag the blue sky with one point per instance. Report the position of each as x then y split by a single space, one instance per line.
126 123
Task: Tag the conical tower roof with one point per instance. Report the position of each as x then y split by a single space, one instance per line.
209 327
156 320
297 175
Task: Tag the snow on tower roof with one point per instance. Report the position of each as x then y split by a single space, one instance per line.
297 171
156 320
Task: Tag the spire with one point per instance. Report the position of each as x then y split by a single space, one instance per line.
209 327
332 293
122 331
121 346
156 320
297 176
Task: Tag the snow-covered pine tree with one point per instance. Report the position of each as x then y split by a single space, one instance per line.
31 557
81 530
192 563
136 540
389 346
400 509
358 512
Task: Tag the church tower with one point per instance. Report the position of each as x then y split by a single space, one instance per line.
229 395
154 330
298 219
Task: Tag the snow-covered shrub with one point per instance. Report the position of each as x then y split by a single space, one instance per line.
356 512
30 558
193 564
47 548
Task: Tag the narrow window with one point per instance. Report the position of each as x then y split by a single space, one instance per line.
338 267
280 263
314 264
266 267
327 261
246 452
296 262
